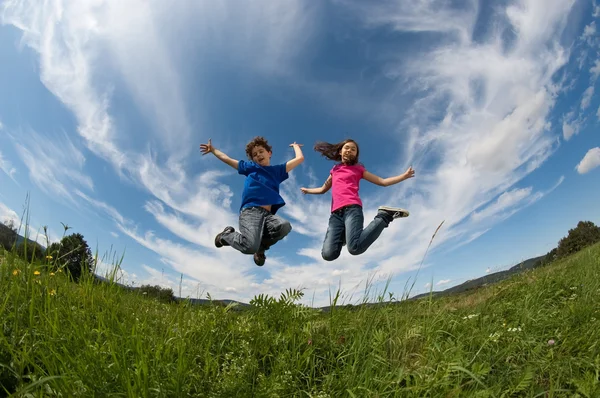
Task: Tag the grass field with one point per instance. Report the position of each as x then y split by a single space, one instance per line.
534 335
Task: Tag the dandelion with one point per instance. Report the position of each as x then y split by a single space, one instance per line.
51 273
36 273
16 272
60 270
52 292
48 257
551 342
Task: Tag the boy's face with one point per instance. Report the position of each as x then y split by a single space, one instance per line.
261 156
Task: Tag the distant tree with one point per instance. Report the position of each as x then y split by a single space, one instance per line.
73 253
585 234
162 294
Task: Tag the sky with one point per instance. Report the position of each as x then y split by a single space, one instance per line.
104 103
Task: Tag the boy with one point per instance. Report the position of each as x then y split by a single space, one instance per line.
260 228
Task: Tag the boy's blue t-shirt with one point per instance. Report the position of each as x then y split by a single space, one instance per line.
261 187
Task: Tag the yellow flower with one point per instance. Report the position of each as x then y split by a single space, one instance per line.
16 272
51 273
52 292
49 257
36 273
60 270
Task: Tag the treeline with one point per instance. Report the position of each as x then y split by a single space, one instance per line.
585 234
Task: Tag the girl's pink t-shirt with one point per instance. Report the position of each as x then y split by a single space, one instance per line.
345 182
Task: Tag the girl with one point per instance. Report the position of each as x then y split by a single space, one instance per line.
346 220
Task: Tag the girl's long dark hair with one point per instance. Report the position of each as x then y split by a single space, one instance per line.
334 151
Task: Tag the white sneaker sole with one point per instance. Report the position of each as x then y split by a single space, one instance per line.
401 213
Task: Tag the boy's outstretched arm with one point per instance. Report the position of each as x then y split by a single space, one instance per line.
208 148
318 191
386 182
292 164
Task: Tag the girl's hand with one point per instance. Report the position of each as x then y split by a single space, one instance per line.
410 173
206 148
294 143
304 190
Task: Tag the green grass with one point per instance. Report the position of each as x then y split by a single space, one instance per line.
82 340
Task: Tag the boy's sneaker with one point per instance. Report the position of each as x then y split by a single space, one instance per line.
219 242
259 258
395 212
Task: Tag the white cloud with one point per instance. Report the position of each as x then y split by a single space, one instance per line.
595 70
590 161
7 214
443 282
427 285
587 97
7 168
571 125
55 164
589 30
114 234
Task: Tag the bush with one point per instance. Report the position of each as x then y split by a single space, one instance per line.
72 253
162 294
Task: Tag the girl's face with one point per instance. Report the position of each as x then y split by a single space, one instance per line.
261 156
349 152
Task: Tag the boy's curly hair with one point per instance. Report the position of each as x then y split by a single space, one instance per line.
257 141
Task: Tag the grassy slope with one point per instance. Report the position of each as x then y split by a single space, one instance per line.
96 340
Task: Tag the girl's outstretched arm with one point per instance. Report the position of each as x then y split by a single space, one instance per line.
318 191
208 148
292 164
386 182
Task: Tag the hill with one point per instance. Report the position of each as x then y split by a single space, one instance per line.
487 279
8 237
533 335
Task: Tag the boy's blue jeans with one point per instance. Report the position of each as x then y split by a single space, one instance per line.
259 230
348 223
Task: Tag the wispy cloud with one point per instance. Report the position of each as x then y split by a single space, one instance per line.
443 282
55 164
587 97
7 168
7 214
590 161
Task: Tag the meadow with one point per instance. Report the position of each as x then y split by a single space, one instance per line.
534 335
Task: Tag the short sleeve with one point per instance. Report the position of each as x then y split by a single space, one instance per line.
245 167
282 172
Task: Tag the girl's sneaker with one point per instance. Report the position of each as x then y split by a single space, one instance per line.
395 212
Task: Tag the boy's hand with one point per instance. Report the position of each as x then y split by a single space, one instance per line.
296 144
207 148
410 173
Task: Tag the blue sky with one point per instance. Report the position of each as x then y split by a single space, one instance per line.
104 104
